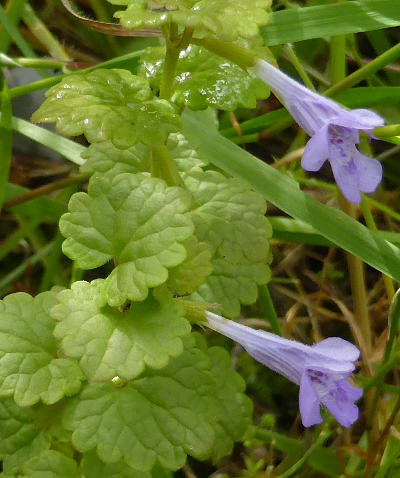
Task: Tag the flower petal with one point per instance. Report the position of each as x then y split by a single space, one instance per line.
309 402
347 180
341 404
335 347
316 151
358 119
369 173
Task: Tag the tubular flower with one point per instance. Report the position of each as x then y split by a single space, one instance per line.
322 370
334 133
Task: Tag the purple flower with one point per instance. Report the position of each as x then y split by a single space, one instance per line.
322 370
334 133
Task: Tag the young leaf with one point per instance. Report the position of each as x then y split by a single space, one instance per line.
229 217
134 218
224 19
159 417
110 343
204 79
108 105
104 158
29 370
184 153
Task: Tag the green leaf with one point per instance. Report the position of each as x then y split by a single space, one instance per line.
193 271
224 19
204 79
159 417
184 153
284 193
298 24
136 219
13 463
104 158
50 464
229 217
17 429
29 370
325 460
110 343
235 408
108 105
227 20
93 467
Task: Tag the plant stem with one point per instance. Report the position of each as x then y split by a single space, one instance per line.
369 219
357 281
12 62
163 166
43 34
170 62
298 66
12 241
31 261
337 70
48 82
63 183
9 25
267 306
378 63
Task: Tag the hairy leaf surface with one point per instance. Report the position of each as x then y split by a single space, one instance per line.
29 370
224 19
188 276
161 416
108 105
137 220
229 217
205 80
110 343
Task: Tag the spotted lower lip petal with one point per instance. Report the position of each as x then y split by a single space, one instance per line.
334 133
321 370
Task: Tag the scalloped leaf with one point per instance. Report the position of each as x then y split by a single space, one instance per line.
17 429
105 158
161 416
107 105
110 343
13 463
236 408
188 276
29 370
230 218
136 219
224 19
50 464
205 80
93 467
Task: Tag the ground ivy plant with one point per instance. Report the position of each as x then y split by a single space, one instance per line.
105 379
